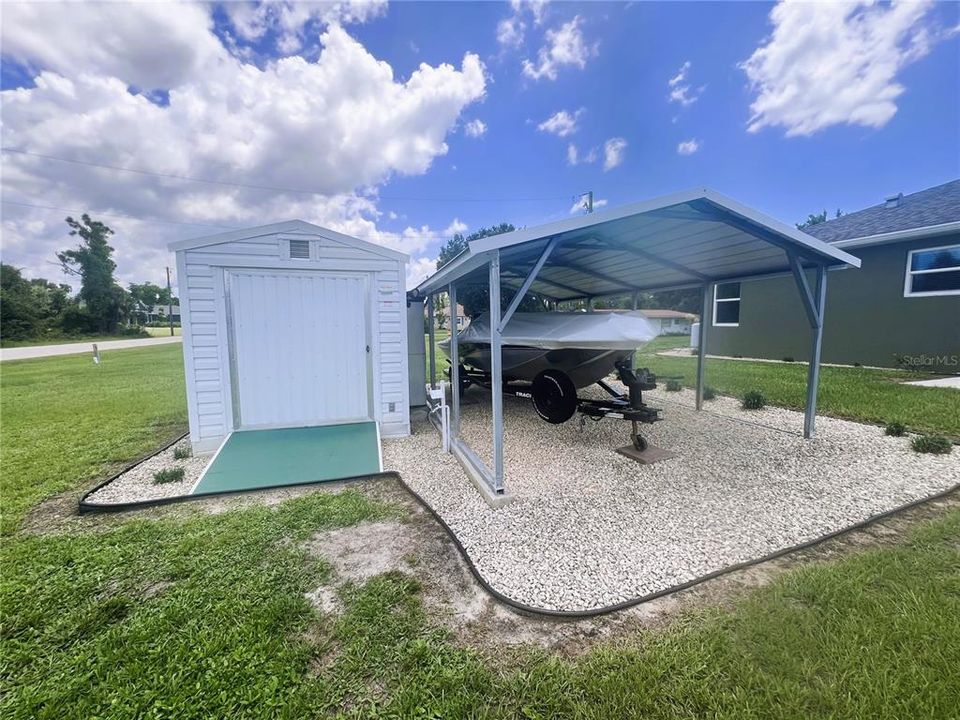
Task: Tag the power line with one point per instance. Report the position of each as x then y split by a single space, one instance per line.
400 235
115 215
273 188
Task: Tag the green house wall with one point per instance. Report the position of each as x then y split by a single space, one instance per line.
868 320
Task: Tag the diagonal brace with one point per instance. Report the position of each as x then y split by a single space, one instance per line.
809 304
531 276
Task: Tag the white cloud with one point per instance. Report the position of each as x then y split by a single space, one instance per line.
688 147
419 270
564 46
148 45
680 90
338 126
290 21
834 63
510 32
455 227
613 150
561 123
574 157
475 128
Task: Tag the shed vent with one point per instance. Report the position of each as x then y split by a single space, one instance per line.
299 249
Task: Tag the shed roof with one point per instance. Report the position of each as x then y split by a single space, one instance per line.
680 240
930 208
291 227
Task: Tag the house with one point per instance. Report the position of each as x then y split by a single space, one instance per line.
901 309
462 320
162 313
292 325
670 322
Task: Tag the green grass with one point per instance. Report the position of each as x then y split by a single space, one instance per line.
163 331
206 617
196 616
66 421
865 395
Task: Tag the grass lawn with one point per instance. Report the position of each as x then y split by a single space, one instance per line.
66 420
195 616
163 331
877 396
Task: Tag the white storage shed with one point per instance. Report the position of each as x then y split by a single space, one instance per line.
291 325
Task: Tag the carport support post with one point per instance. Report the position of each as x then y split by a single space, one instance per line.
705 320
454 366
813 372
433 349
496 370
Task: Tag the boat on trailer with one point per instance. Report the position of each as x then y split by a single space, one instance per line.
548 356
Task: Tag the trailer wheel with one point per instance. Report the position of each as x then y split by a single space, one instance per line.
554 396
639 443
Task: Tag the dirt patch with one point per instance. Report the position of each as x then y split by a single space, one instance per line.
418 546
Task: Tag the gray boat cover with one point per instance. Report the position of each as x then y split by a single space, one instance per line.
554 331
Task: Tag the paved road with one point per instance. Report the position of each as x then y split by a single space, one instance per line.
39 351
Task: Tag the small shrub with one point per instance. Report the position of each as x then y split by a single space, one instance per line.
936 444
709 393
895 429
181 452
168 475
674 386
856 364
754 400
788 358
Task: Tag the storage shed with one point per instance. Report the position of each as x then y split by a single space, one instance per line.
291 325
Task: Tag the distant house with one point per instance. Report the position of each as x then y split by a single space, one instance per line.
462 320
901 308
671 322
161 313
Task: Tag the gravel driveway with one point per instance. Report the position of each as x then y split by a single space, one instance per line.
589 528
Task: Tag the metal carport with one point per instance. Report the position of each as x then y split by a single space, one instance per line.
697 238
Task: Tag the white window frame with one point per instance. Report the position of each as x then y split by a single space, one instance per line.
908 276
720 300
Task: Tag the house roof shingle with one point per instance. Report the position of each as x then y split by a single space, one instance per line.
933 206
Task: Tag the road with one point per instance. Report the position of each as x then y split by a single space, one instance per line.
39 351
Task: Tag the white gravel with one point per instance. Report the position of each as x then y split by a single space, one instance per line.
589 528
137 483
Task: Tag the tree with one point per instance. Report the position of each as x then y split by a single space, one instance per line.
149 294
820 217
476 299
91 261
440 309
28 308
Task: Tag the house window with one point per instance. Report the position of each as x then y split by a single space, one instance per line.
726 305
299 249
933 271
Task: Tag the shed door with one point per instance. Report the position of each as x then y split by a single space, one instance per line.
299 348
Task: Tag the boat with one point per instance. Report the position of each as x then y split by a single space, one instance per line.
586 347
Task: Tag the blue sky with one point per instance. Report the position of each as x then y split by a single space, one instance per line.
409 159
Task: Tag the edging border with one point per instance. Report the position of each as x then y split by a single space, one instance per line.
86 507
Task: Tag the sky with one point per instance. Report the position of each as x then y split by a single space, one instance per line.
407 122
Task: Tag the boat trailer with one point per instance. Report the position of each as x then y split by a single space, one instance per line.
555 398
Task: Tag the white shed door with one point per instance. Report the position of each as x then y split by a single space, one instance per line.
300 348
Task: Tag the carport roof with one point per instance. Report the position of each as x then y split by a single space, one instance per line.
686 239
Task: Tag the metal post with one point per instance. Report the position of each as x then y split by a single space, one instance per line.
433 343
589 304
636 300
169 300
813 372
454 365
705 319
496 371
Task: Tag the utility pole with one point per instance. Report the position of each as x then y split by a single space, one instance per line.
588 203
170 300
